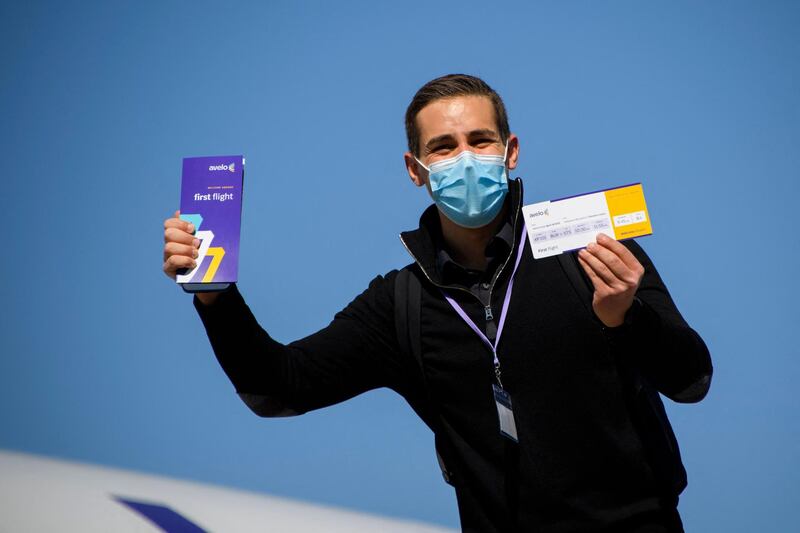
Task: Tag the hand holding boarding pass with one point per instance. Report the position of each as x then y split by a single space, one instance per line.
615 274
609 215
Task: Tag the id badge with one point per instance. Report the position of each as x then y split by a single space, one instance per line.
508 428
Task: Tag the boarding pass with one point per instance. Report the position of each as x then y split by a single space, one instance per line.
558 226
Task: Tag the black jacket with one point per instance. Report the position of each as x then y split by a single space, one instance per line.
579 465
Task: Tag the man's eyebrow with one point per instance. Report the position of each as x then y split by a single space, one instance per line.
485 132
474 133
436 140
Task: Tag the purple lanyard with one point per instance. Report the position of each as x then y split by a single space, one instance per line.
506 300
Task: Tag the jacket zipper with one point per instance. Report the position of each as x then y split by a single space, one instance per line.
487 308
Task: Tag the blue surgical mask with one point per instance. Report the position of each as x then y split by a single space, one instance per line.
469 188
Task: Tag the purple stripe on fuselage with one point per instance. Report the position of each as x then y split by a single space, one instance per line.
162 516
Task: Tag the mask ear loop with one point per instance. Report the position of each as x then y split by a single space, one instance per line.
422 164
505 160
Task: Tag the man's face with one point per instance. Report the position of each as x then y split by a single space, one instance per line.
449 126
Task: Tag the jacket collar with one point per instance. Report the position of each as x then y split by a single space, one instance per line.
421 243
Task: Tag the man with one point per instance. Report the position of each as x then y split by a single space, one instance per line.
532 398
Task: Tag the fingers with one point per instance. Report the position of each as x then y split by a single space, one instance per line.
180 245
620 249
615 274
174 248
176 262
600 269
177 223
597 282
609 264
180 236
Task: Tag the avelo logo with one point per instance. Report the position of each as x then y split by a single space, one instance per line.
231 167
539 213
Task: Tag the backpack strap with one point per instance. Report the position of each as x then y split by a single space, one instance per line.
647 408
407 307
407 310
569 263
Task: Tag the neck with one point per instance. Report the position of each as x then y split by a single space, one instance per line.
467 246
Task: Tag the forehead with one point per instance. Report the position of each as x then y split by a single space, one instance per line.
451 116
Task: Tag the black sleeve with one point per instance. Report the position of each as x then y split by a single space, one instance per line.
657 340
355 353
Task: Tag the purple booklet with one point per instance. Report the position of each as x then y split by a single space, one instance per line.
211 199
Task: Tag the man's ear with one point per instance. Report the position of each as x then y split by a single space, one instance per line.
414 169
513 151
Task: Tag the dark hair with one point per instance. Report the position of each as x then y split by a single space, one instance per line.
448 87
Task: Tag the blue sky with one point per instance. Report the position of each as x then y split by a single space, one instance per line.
104 360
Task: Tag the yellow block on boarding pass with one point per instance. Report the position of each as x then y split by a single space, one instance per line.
566 224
